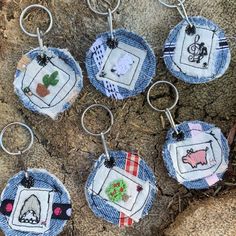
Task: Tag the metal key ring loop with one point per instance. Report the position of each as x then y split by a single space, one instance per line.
35 6
176 96
172 5
103 13
19 152
92 106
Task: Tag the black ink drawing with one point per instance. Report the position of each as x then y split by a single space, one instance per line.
30 211
97 50
103 74
197 50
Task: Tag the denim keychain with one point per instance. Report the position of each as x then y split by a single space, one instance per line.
196 50
34 201
120 64
121 187
195 153
47 80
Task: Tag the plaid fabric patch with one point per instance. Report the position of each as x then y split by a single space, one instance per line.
132 167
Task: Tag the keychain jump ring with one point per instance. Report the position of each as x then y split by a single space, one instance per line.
101 106
176 96
172 5
35 6
103 13
19 152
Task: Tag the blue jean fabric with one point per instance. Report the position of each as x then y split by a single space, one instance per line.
99 206
221 55
43 179
148 69
201 183
68 60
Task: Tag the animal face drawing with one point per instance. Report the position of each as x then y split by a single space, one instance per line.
123 65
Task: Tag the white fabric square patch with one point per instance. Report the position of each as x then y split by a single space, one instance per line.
43 96
121 66
198 157
135 204
32 210
196 48
194 54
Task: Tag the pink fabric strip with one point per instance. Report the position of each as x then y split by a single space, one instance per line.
211 180
194 128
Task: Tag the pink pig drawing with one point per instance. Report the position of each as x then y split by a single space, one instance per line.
195 158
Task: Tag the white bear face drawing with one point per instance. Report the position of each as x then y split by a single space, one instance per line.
123 65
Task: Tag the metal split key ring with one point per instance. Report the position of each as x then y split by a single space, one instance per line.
19 152
89 108
103 13
181 9
28 181
167 110
172 5
26 10
39 33
102 134
108 14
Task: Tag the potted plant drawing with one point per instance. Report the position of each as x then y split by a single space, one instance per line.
48 80
117 191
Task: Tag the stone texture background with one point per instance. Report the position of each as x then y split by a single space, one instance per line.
64 149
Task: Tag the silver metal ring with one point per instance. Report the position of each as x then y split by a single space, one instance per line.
176 95
103 13
104 107
172 5
19 152
35 6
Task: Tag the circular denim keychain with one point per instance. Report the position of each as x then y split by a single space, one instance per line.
195 153
47 80
120 64
196 50
34 201
121 187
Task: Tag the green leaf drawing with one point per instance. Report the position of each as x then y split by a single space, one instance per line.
46 80
54 75
50 79
116 190
54 82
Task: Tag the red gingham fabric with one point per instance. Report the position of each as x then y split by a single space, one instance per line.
132 167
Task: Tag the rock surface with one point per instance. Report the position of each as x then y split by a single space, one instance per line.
65 150
215 216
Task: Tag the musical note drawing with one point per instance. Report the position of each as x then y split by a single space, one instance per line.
197 50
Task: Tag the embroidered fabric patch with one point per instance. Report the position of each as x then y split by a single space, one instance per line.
123 71
201 154
199 57
121 194
32 210
48 85
127 198
41 209
122 65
